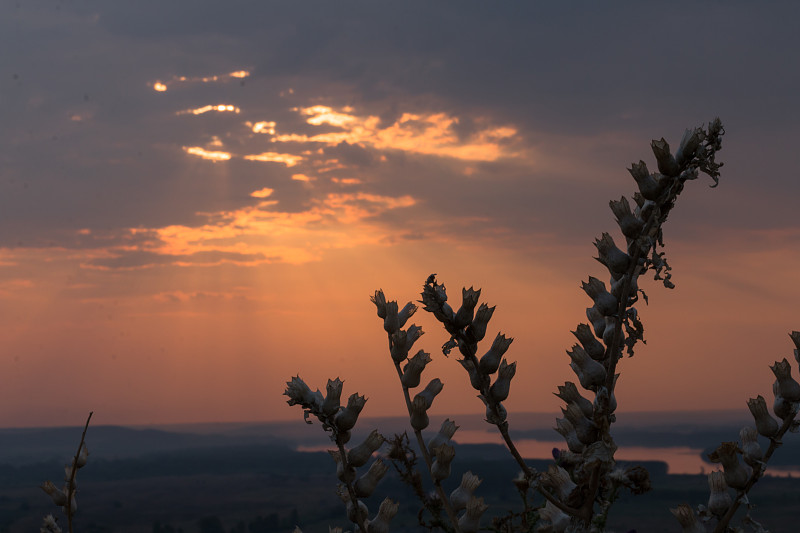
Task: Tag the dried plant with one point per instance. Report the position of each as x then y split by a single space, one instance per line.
65 497
578 491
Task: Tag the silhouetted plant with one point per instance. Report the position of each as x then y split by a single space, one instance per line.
579 489
65 497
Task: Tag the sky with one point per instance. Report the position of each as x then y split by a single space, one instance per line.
197 199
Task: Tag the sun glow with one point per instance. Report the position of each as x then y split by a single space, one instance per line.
221 108
287 159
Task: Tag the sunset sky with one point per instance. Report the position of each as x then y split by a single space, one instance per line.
198 198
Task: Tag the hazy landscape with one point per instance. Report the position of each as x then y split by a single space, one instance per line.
250 478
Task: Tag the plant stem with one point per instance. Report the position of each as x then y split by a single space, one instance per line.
360 518
73 470
426 455
722 525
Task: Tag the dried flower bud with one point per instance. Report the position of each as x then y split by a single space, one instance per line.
521 481
470 521
460 497
356 514
59 496
781 407
298 392
490 362
380 302
359 455
598 321
419 413
630 226
666 163
610 330
49 525
446 433
569 393
765 424
584 428
345 475
692 138
688 519
649 187
469 299
557 480
500 389
365 485
788 388
331 403
434 298
751 450
604 301
567 430
412 371
477 330
347 417
590 373
402 341
795 336
386 512
719 501
612 257
736 474
495 412
83 456
433 388
475 378
590 344
440 469
559 520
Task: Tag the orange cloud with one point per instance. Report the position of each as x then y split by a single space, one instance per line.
287 159
430 134
206 154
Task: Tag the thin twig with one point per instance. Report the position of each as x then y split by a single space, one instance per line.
73 470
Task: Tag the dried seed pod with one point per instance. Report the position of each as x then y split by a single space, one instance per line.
598 321
649 186
612 257
386 512
569 393
567 430
469 299
584 428
412 371
788 388
559 520
475 378
331 403
500 389
604 301
419 413
461 496
692 138
629 224
688 519
666 162
359 455
446 433
780 406
379 299
477 330
590 344
58 496
490 362
795 336
765 424
402 341
430 391
347 417
719 501
440 469
590 373
557 480
751 450
365 485
470 521
736 474
345 475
